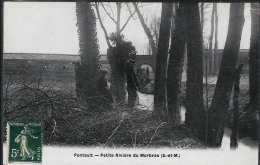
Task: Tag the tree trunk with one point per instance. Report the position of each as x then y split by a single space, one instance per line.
211 41
202 17
174 17
118 79
146 30
175 66
233 139
88 69
216 58
254 54
195 112
220 103
161 62
118 7
249 119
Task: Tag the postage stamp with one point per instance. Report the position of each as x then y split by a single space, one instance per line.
24 141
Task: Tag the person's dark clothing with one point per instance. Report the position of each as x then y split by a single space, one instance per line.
132 86
131 78
105 95
147 73
132 95
138 71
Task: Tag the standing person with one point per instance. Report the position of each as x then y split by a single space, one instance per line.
147 72
103 90
132 83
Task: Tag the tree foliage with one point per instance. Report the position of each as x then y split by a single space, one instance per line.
118 54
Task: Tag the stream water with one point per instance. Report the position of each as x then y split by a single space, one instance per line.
146 103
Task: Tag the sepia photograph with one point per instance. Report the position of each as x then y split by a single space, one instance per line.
131 83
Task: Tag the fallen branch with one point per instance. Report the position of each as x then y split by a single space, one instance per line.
121 121
155 133
54 128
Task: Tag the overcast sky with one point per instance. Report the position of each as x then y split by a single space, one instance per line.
50 27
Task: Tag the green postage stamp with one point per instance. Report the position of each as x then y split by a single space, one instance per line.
24 142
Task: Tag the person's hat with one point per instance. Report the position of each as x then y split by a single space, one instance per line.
131 61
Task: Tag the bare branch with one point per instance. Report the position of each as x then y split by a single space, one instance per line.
142 5
54 129
146 29
110 9
102 25
113 133
124 4
108 13
131 15
155 133
207 5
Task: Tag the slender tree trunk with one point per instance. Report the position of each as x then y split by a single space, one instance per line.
233 139
216 58
118 7
220 103
146 30
175 66
174 17
160 108
254 54
207 96
195 112
202 17
258 102
156 37
211 42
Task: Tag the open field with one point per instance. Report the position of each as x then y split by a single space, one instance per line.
54 74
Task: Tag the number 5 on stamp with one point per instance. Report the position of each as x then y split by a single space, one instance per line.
24 142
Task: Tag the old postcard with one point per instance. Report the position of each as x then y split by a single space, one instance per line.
131 83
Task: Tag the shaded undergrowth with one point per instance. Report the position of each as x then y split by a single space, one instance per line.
70 121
